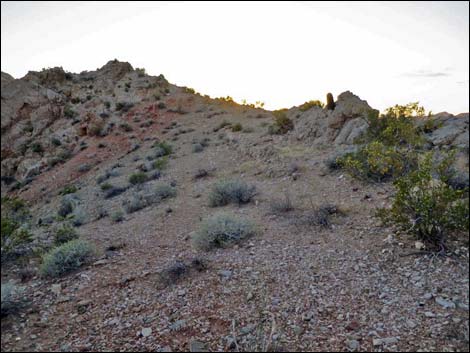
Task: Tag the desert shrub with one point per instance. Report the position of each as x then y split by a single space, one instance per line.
96 128
65 258
330 102
164 191
107 104
144 199
36 147
282 205
396 126
282 124
14 233
160 163
201 173
189 90
162 149
426 206
237 127
106 186
197 147
114 191
161 105
13 236
55 141
231 191
222 230
333 163
138 178
79 216
378 162
310 104
125 127
221 125
124 106
64 234
69 189
117 216
69 112
67 205
172 273
135 203
10 301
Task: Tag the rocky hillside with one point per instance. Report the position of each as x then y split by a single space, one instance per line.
129 163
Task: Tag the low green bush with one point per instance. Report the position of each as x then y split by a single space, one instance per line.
310 104
426 206
65 234
66 258
138 178
231 191
378 162
222 230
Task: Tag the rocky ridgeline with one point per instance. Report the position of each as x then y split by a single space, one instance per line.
48 117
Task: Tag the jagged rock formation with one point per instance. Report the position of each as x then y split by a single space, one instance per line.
339 126
49 117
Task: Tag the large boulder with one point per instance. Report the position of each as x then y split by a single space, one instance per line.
452 130
343 125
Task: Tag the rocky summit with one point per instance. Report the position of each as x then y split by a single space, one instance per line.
142 216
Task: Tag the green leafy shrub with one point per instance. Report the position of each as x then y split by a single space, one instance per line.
426 206
67 257
106 186
14 234
138 178
222 230
160 163
64 235
310 104
69 112
282 124
396 126
162 149
117 216
231 191
237 127
378 162
69 189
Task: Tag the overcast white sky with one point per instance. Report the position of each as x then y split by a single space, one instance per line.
282 53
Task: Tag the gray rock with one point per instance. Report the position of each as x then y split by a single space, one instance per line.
446 304
225 274
146 331
197 346
353 345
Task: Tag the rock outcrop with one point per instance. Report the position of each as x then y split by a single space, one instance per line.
340 126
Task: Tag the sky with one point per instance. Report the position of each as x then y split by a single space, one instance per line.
281 53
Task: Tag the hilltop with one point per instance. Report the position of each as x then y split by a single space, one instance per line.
90 150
